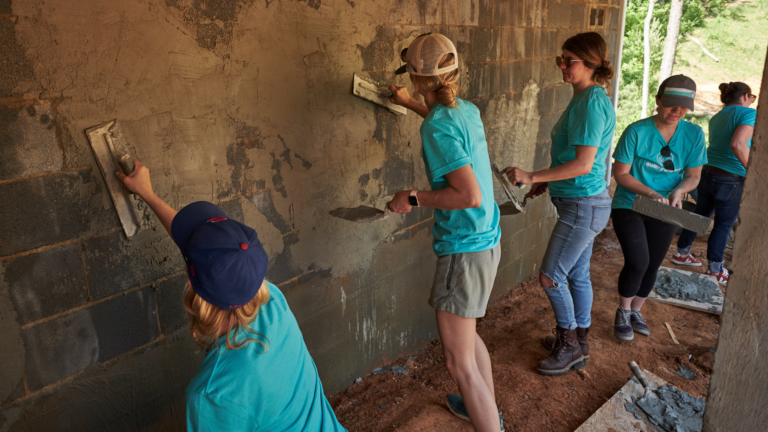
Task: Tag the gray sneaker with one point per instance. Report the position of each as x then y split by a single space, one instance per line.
622 328
638 323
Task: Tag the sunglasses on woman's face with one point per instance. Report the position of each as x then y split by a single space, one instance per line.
567 60
667 152
752 97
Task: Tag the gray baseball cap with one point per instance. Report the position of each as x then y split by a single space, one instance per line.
677 91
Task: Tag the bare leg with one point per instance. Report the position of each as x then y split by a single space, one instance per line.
626 302
459 347
484 363
637 302
545 281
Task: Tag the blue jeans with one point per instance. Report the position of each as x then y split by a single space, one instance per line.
566 261
720 194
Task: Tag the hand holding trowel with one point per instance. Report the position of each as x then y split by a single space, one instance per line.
373 92
513 206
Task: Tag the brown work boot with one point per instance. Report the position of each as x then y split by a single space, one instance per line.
581 335
566 354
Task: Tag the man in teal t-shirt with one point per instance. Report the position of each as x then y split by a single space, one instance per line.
640 146
721 129
588 120
452 138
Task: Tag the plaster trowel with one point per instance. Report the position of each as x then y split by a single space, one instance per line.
512 207
361 214
640 377
373 92
113 153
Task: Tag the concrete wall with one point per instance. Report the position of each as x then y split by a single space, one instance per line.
247 104
738 390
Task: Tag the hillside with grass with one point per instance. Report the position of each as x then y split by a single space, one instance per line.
736 33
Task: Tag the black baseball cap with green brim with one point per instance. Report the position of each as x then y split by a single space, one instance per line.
677 91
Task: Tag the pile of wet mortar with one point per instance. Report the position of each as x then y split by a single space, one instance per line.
672 410
671 283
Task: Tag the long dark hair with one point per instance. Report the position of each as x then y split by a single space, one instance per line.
733 91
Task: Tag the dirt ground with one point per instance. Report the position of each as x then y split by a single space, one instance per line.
512 330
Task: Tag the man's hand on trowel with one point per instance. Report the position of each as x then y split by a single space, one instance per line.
140 184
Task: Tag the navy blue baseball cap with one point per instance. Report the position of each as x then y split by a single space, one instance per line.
226 262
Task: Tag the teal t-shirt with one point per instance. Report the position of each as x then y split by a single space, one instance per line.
588 120
248 389
452 138
722 126
640 146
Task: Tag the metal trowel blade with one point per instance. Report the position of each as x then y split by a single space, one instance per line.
101 139
361 214
502 178
372 92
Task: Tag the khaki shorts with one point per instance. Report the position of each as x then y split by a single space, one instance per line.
463 282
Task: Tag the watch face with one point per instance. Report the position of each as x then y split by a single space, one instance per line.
412 201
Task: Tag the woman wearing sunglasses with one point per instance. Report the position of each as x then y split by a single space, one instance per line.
659 157
466 231
722 181
581 140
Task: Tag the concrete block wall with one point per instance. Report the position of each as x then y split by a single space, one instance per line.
246 104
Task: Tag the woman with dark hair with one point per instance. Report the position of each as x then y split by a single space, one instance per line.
722 181
581 141
659 157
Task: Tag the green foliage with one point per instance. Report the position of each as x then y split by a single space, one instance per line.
695 12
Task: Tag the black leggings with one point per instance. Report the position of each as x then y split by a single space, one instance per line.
644 242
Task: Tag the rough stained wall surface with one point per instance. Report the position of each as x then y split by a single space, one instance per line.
247 104
739 386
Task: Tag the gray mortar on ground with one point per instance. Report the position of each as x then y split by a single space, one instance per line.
673 410
686 373
675 216
671 283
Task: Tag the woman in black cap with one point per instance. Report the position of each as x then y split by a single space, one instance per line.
257 374
659 157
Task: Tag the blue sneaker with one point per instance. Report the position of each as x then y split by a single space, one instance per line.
456 406
638 323
622 328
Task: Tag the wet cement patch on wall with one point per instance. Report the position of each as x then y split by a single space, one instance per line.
143 391
670 283
28 139
67 345
74 206
45 283
12 354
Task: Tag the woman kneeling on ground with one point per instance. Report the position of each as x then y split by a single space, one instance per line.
722 178
466 231
258 374
581 140
659 157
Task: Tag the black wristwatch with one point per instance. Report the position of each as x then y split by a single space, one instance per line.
412 200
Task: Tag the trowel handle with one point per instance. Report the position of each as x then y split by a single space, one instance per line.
126 164
638 373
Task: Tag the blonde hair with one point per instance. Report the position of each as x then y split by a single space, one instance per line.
206 320
444 84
